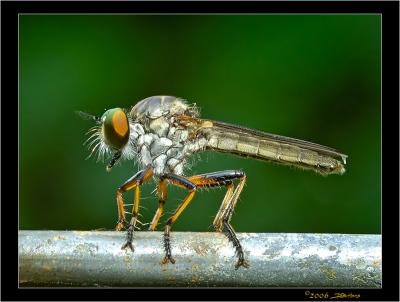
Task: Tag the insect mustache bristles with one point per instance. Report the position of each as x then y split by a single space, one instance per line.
93 137
102 152
96 140
94 149
92 129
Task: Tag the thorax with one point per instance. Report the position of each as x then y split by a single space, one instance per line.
163 145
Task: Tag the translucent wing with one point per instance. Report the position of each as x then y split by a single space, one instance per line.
225 137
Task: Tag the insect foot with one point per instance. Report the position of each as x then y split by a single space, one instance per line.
167 246
167 259
129 238
242 262
128 244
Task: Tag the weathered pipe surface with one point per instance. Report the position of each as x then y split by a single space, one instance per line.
76 258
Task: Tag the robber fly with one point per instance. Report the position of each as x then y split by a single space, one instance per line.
162 132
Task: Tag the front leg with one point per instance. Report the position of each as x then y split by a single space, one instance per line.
121 212
133 183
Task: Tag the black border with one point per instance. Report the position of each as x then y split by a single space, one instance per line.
9 104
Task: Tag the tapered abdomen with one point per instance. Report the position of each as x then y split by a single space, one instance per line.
247 142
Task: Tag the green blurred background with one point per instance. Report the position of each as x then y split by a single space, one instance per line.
305 76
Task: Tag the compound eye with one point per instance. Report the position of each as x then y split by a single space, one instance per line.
115 128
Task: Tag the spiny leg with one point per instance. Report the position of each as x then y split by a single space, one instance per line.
224 215
162 196
204 180
183 183
216 179
128 185
121 212
217 223
229 231
134 182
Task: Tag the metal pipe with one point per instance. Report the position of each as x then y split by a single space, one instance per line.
77 258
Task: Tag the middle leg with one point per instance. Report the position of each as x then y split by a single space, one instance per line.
191 187
162 196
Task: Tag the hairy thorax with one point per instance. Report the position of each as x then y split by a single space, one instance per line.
159 140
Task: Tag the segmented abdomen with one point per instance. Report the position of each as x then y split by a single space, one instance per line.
251 143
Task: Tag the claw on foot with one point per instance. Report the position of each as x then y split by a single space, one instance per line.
168 259
242 262
128 244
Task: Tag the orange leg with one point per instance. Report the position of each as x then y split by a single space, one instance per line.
162 196
183 183
133 183
221 221
121 212
224 215
218 218
227 227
